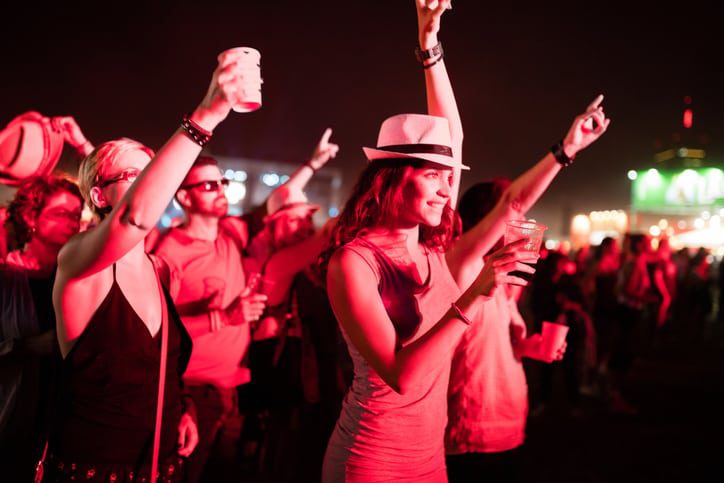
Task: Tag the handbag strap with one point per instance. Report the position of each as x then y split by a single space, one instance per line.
161 381
40 467
289 314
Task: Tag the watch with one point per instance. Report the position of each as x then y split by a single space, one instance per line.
560 154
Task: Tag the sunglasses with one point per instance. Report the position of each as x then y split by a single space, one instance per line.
129 175
214 185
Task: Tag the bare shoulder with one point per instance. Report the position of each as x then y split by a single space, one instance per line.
352 262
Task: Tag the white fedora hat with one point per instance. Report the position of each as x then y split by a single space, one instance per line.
415 136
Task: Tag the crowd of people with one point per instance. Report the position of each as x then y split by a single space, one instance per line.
386 345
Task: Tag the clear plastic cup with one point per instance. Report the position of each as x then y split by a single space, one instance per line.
248 66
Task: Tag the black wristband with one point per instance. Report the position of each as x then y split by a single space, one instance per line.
423 55
427 66
198 134
560 154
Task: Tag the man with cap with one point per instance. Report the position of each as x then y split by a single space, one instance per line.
285 247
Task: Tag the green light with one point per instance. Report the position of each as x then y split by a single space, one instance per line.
703 187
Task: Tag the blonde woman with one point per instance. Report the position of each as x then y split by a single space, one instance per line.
110 305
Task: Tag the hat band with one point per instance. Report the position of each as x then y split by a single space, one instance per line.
418 149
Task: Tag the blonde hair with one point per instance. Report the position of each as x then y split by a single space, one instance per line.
98 161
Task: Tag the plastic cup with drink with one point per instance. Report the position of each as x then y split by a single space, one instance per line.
518 229
247 60
552 338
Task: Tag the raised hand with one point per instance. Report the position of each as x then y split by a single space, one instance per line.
586 128
226 81
72 133
324 151
428 20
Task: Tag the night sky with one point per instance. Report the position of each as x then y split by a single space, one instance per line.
520 75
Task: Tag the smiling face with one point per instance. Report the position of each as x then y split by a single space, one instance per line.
425 193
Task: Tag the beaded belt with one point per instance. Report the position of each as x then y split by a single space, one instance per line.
59 470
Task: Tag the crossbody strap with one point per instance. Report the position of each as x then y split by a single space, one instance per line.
161 382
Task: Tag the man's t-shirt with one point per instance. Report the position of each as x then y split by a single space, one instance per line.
202 274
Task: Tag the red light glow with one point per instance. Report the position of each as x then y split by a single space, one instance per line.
688 118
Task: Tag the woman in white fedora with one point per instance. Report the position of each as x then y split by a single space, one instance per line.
390 285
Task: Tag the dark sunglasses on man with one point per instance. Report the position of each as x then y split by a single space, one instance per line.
211 185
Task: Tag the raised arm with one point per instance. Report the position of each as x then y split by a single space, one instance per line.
466 255
284 264
440 97
73 134
323 152
144 202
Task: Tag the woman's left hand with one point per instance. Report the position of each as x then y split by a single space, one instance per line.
428 20
188 435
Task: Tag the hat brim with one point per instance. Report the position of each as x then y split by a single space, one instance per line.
28 147
373 154
298 207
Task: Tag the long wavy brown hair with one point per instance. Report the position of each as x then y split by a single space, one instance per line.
377 199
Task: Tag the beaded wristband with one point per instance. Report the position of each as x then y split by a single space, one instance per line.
460 314
198 134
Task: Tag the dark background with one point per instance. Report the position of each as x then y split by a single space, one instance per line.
521 73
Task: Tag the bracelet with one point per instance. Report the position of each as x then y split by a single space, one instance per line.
423 55
198 134
433 63
560 154
460 314
308 164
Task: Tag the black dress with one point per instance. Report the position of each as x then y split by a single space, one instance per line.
104 426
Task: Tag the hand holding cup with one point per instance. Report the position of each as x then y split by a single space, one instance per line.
245 92
500 265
